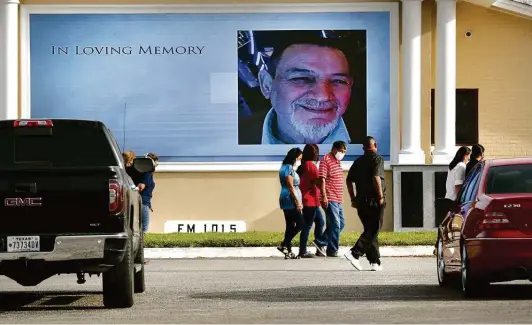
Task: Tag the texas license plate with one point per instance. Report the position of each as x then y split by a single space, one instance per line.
23 244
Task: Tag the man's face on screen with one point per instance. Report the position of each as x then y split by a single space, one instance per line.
310 92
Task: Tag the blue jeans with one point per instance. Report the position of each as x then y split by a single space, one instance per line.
312 215
145 218
335 224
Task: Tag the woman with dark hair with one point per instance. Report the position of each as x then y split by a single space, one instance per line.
309 175
455 178
457 173
290 199
477 154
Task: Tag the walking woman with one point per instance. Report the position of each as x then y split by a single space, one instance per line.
457 173
309 175
290 199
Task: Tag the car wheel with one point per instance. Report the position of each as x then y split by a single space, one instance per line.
471 286
118 282
440 263
140 283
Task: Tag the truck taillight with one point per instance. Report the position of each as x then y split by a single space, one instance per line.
33 123
116 196
494 221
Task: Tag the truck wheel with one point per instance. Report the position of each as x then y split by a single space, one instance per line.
118 282
140 284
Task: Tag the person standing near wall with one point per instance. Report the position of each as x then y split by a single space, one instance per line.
331 190
309 175
146 187
457 173
367 172
456 176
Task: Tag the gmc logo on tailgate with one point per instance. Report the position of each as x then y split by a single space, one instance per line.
23 202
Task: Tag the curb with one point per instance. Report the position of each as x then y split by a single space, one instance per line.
263 252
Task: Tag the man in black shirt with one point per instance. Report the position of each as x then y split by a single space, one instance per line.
367 172
477 154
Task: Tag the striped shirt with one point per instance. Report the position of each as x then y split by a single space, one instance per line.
331 171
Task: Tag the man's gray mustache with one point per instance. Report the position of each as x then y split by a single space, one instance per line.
318 105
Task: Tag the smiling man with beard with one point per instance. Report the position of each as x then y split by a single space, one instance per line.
309 85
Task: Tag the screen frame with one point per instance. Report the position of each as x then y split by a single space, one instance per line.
391 7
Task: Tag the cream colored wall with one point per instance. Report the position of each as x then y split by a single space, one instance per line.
496 59
249 196
426 76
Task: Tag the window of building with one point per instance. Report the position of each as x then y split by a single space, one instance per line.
466 117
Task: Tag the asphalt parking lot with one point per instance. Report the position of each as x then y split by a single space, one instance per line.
270 291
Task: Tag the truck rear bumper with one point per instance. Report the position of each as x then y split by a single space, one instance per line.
109 247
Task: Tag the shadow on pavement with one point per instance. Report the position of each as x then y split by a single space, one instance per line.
48 300
369 293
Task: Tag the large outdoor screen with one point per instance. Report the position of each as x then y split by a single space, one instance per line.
217 87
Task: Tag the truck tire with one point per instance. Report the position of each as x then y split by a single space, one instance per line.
140 284
118 282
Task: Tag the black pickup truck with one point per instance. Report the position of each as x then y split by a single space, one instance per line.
69 207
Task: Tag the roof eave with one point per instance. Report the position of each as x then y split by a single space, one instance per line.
508 6
515 7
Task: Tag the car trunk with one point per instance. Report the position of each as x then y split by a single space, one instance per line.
510 187
516 207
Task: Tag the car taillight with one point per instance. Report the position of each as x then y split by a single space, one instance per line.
116 196
33 123
494 221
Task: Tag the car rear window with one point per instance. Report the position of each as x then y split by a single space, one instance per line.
70 144
509 179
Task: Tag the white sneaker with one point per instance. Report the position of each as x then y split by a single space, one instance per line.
354 261
376 267
348 256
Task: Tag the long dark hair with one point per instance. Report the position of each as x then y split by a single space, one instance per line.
459 156
477 150
311 152
291 156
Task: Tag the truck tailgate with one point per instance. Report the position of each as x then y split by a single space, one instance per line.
54 200
54 178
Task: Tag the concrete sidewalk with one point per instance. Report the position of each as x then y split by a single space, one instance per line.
261 252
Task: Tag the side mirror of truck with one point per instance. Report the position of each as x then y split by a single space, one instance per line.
144 165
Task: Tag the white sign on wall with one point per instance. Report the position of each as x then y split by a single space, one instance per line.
192 226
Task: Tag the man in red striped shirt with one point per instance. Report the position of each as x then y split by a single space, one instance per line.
332 188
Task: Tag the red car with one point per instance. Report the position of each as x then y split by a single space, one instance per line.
487 235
